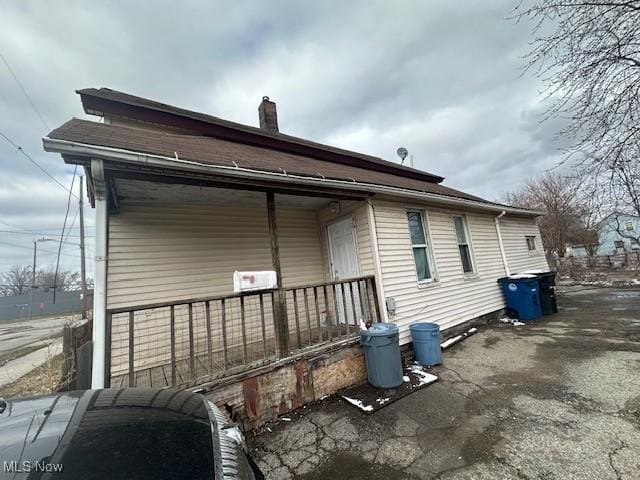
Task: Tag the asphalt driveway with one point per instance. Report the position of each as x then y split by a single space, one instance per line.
559 399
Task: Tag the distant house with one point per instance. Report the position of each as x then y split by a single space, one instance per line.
192 211
617 233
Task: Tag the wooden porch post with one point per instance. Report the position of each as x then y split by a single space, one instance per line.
279 297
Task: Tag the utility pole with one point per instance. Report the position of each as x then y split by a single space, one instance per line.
83 272
33 278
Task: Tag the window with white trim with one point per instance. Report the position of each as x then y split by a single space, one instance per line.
462 234
531 243
420 246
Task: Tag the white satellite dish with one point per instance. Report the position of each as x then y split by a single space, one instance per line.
402 153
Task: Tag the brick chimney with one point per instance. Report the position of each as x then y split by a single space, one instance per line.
268 115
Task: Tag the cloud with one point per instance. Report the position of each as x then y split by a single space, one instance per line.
439 78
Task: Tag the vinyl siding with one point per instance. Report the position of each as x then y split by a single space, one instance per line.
514 230
454 298
178 252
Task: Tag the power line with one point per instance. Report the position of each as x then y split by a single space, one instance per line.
24 91
32 232
21 150
64 226
51 252
22 231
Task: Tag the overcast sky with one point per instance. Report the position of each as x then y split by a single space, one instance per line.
439 78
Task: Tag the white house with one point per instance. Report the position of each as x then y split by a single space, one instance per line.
186 201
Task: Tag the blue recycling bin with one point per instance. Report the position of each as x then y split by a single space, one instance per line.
522 295
381 344
426 343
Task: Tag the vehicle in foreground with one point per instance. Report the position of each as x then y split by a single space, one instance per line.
120 433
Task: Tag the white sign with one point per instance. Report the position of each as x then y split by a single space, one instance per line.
247 281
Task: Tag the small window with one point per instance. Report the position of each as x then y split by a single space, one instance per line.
460 222
420 247
618 243
629 226
531 243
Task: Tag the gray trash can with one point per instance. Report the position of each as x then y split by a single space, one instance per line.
381 344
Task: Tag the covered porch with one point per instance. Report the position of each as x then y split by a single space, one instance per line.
173 317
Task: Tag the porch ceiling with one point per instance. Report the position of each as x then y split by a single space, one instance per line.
141 191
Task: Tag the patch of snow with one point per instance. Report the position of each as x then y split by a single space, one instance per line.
512 321
382 401
286 419
425 378
472 330
533 271
522 275
324 396
405 378
452 340
358 403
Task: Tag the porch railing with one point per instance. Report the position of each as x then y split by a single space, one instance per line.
197 340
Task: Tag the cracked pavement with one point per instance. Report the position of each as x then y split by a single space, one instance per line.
559 399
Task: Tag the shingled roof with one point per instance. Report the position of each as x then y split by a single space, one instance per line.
214 151
108 102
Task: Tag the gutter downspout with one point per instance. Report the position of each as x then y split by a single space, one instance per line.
502 252
100 282
376 260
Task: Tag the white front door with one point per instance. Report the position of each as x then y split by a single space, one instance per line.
345 265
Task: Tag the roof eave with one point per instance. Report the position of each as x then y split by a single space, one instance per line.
76 149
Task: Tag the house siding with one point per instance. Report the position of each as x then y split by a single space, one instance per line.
179 252
454 298
514 230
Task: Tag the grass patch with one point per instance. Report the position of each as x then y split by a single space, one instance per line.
39 381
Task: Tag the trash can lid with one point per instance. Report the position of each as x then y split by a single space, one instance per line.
381 329
424 327
519 278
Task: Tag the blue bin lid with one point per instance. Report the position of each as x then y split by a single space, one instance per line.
380 330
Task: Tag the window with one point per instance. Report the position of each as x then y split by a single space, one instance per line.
629 226
420 247
531 243
618 244
460 222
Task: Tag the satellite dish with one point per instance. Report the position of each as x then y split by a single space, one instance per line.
402 153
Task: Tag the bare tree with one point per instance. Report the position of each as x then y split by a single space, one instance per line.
66 280
588 54
15 281
570 213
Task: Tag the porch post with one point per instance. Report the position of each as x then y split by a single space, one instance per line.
279 297
373 233
100 282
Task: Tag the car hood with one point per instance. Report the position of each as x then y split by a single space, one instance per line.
126 433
